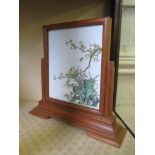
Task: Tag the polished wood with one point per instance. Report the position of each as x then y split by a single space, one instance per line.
100 124
39 113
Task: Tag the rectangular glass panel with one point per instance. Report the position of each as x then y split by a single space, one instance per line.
75 65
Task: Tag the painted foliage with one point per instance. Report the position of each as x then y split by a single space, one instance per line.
83 86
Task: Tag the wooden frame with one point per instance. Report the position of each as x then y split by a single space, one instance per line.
100 124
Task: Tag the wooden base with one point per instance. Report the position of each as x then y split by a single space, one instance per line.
38 113
98 127
116 140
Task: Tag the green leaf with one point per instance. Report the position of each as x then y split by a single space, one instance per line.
81 58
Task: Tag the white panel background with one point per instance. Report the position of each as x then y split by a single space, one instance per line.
61 57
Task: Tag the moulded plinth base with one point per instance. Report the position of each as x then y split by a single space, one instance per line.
97 127
115 141
39 113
